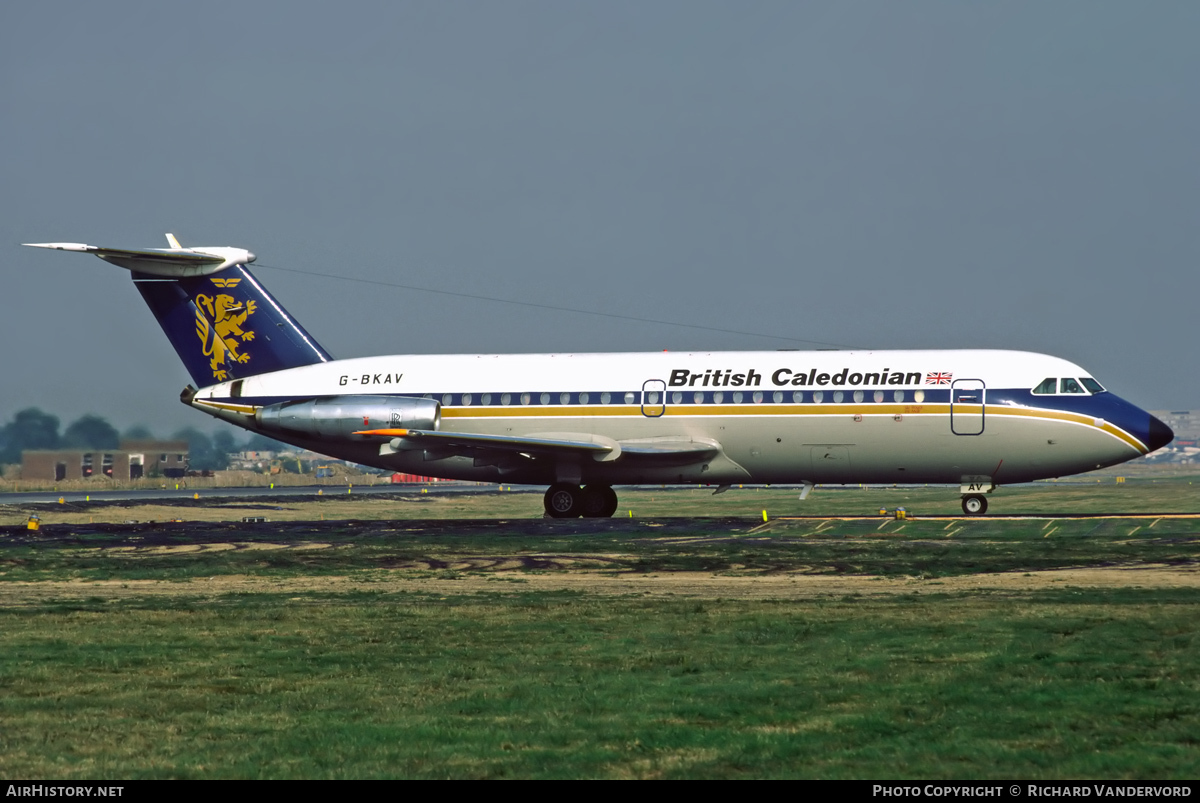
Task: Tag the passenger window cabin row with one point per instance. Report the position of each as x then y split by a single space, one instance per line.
682 397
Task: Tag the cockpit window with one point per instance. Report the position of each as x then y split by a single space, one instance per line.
1069 385
1048 386
1091 384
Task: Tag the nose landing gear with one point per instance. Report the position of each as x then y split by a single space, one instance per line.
974 504
566 501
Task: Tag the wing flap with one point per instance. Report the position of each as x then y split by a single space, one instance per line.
454 441
676 451
669 447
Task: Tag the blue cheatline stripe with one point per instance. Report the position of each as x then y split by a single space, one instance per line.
1096 405
636 397
1103 410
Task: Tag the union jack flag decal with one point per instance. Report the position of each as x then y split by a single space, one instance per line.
938 379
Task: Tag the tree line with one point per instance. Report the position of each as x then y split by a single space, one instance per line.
33 428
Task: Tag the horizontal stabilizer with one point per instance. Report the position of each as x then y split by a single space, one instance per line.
223 327
173 263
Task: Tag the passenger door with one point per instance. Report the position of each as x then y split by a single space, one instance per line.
654 398
968 399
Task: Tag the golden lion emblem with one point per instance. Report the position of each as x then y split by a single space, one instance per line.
221 330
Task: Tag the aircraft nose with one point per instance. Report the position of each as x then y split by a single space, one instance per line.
1159 434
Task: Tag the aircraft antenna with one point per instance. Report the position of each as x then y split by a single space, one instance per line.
555 308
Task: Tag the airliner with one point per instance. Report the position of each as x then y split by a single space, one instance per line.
582 423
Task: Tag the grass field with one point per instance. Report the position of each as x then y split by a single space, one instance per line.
465 637
1178 495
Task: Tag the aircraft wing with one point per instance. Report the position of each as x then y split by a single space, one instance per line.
671 449
466 443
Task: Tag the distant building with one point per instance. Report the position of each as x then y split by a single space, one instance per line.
1184 423
253 460
134 459
1186 426
402 479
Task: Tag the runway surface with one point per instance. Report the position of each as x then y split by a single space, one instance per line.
698 528
156 494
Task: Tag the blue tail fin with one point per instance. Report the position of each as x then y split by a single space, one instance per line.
227 326
223 324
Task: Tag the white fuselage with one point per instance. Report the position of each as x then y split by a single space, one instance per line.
772 417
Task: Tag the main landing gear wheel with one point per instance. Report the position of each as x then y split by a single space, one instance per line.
599 501
974 505
566 501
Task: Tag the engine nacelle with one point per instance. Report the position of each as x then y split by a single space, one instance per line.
339 417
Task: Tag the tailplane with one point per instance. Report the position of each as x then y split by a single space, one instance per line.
223 324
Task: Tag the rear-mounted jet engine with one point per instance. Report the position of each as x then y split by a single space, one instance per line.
338 417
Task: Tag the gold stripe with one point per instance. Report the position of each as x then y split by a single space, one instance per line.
1074 418
237 408
772 408
764 408
537 410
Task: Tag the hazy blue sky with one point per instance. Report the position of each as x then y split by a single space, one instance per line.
876 174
